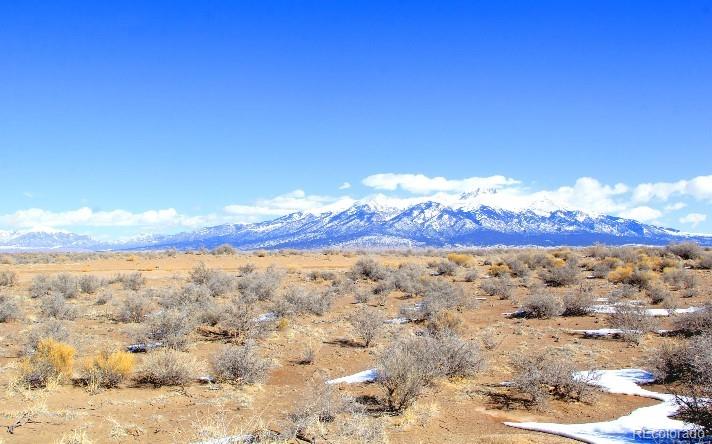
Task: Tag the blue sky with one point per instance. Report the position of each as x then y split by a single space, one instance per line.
118 118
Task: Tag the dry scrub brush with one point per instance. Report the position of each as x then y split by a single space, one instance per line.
8 278
540 305
633 321
9 309
550 373
407 366
167 367
367 323
688 367
240 364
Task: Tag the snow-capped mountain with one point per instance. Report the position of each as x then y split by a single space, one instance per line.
427 224
44 240
466 222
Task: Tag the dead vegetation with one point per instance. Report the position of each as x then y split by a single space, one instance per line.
260 332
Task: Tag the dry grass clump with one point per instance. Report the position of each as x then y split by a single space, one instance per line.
685 250
680 278
9 309
659 295
499 269
89 284
260 286
550 373
216 282
49 329
107 370
470 276
541 305
240 364
368 268
579 302
51 361
134 308
317 406
562 276
696 323
322 275
461 259
239 320
632 320
367 323
132 281
438 295
517 267
629 274
705 261
183 297
64 284
408 278
443 268
8 278
300 300
444 323
623 291
40 286
601 269
56 306
167 367
79 436
170 328
501 287
224 250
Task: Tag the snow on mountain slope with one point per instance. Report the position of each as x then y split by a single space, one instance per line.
464 222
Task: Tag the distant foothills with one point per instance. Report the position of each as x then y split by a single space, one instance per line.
367 225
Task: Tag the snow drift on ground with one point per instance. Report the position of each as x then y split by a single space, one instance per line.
647 424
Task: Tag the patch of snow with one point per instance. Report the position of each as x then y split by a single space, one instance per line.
234 439
369 375
655 312
647 424
611 332
143 348
266 317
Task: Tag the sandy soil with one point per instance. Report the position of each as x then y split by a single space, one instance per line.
469 410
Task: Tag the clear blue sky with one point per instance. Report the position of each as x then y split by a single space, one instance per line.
142 105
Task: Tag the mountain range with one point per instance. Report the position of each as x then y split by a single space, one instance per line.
371 225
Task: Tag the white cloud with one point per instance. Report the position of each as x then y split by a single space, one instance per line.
345 186
642 213
676 206
699 187
693 218
85 216
589 195
295 201
421 184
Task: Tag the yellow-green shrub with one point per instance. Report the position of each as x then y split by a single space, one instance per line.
621 274
460 259
52 360
108 369
498 270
